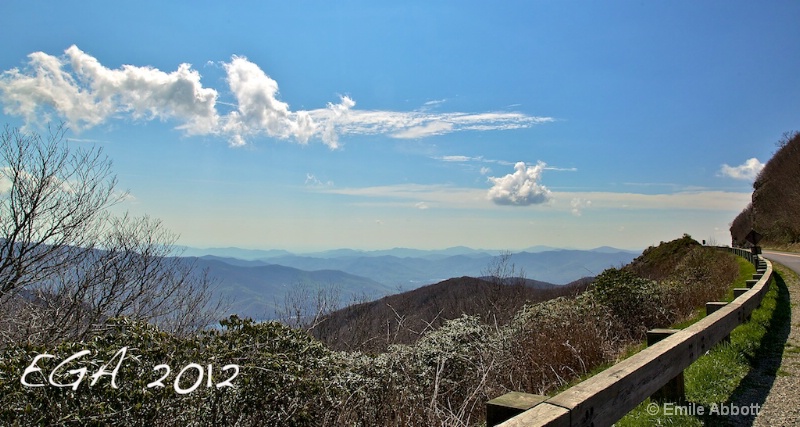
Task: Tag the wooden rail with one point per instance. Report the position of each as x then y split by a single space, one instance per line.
606 397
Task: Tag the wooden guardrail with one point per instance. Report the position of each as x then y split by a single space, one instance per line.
606 397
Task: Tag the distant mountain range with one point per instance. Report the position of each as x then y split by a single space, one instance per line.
260 254
256 282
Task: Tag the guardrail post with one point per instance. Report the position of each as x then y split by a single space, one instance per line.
711 307
510 405
675 389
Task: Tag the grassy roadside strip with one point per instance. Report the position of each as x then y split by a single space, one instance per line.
716 379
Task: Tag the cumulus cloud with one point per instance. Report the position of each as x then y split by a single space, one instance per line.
521 188
90 94
259 110
747 171
577 205
77 88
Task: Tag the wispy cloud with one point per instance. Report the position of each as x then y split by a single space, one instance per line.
557 169
574 203
481 159
77 88
420 196
457 159
432 104
313 181
428 129
87 141
746 171
706 200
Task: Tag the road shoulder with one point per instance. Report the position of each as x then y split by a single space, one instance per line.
780 366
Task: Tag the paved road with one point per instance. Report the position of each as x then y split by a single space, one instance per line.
788 259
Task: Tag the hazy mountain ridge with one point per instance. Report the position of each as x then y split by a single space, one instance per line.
559 267
265 254
256 291
256 287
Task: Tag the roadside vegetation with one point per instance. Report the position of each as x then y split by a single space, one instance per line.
287 377
100 326
722 376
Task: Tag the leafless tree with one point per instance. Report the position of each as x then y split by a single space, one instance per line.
53 207
67 264
307 308
508 290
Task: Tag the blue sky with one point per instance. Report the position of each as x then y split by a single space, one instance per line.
369 125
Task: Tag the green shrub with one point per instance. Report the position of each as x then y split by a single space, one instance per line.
639 304
283 379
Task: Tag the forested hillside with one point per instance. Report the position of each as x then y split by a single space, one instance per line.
403 318
776 199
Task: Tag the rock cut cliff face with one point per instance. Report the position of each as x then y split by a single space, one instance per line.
776 199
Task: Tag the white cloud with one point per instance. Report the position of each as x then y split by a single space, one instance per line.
456 158
90 94
419 124
429 105
453 197
259 110
77 88
313 181
421 205
24 179
428 129
747 171
417 194
521 188
707 200
578 205
5 182
553 168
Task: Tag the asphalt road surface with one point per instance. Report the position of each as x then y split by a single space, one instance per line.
788 259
